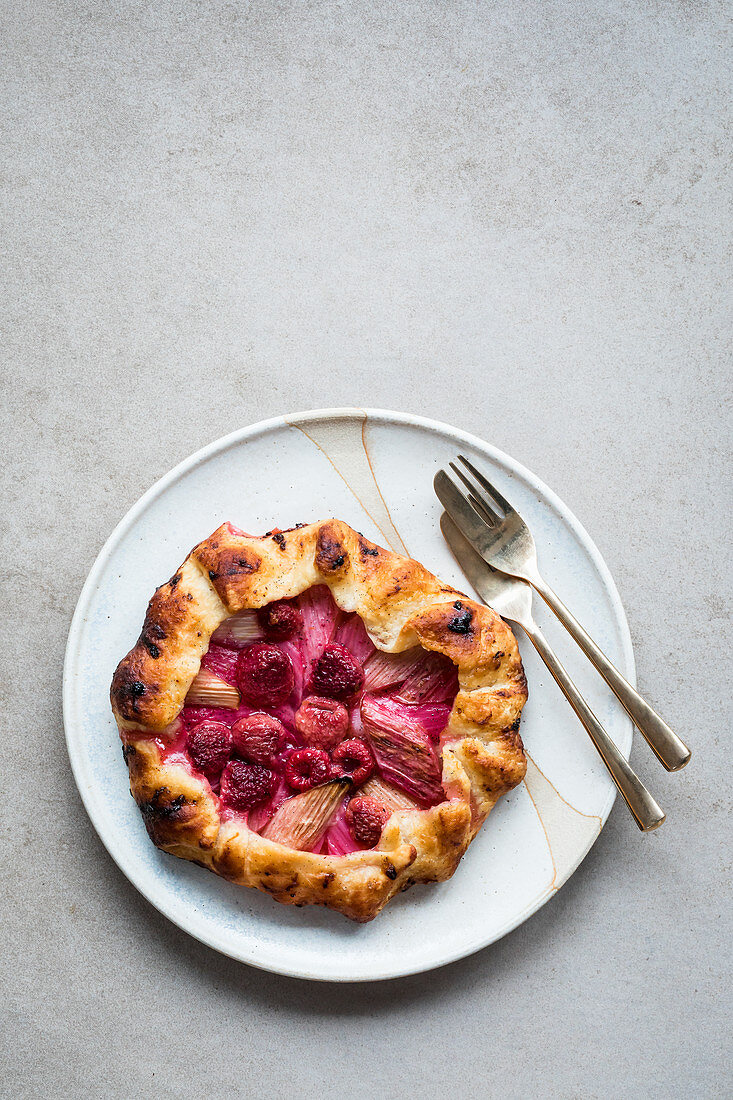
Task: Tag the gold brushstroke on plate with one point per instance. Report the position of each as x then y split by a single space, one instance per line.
400 543
342 440
343 443
568 831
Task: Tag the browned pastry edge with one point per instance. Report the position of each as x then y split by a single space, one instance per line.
401 605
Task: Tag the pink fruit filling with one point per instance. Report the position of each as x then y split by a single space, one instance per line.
320 737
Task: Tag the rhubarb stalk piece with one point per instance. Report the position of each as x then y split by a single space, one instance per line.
301 821
209 690
389 796
238 630
402 747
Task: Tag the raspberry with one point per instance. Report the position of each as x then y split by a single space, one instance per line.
258 737
336 673
366 818
322 723
265 674
354 758
246 785
280 620
209 745
307 768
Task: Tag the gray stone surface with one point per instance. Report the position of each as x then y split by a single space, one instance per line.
509 216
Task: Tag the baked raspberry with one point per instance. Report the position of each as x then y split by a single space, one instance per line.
280 620
306 768
336 673
322 723
265 674
246 785
209 745
258 737
355 759
366 818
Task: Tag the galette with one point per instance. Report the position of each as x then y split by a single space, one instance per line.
315 716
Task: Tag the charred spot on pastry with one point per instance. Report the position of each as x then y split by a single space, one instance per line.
327 880
279 538
367 550
231 561
240 562
156 810
128 690
331 554
151 647
127 752
241 565
462 622
174 580
162 814
511 735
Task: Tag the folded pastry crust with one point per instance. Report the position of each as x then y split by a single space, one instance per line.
401 605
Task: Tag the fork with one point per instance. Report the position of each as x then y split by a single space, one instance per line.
497 531
513 600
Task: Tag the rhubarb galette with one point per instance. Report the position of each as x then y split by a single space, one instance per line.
315 716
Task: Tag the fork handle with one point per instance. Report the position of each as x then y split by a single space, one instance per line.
647 813
671 751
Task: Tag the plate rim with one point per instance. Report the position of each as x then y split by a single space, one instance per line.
260 427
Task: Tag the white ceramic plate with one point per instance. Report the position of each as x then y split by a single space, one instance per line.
374 470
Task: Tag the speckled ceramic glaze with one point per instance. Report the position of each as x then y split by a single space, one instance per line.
374 470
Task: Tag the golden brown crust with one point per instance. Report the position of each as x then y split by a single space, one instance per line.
401 605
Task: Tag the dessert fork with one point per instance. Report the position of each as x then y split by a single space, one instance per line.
513 600
497 531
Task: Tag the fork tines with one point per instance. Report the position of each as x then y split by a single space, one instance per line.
500 501
478 499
